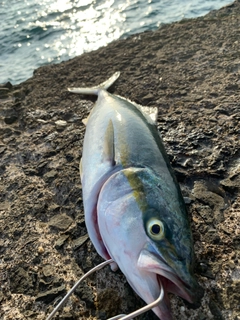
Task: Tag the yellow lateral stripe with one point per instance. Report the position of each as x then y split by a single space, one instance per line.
138 189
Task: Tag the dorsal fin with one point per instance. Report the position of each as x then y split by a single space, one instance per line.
152 112
95 90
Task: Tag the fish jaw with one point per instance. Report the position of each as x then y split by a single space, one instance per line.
153 263
149 289
157 273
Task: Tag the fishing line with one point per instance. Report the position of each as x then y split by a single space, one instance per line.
118 317
98 267
143 309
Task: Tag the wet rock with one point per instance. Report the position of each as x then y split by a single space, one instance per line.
48 270
50 295
61 240
22 280
7 85
215 310
202 316
67 314
213 236
30 314
10 119
60 221
206 213
77 243
50 175
233 292
231 183
108 302
148 98
232 86
187 200
3 91
212 199
2 149
10 115
85 293
186 162
204 269
18 94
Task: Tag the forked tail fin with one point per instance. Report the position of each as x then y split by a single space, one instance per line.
95 90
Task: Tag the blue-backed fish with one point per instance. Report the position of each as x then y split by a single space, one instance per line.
134 209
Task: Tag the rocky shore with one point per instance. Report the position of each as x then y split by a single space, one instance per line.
190 70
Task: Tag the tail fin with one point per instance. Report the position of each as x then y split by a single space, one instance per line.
94 90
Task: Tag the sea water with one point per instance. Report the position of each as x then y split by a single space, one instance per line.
35 33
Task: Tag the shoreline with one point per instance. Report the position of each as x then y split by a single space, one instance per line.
34 53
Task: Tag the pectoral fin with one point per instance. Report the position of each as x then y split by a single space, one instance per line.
108 144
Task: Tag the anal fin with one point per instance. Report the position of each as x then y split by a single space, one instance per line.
80 168
85 121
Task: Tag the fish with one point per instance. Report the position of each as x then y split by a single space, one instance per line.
134 210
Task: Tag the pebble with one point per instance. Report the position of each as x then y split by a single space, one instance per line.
61 124
40 249
48 270
41 121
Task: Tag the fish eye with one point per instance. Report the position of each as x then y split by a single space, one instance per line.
155 229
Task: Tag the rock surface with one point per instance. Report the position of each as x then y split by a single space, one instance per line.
191 71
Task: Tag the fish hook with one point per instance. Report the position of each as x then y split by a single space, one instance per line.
118 317
143 309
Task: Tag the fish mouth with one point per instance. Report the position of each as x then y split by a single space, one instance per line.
169 279
173 284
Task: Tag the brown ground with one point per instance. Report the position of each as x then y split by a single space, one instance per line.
191 71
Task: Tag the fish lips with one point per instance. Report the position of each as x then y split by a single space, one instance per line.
171 282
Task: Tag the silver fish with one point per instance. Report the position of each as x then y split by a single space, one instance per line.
134 210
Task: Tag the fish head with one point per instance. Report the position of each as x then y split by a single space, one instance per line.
145 230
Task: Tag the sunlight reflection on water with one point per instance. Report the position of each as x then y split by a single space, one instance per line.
36 33
85 25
